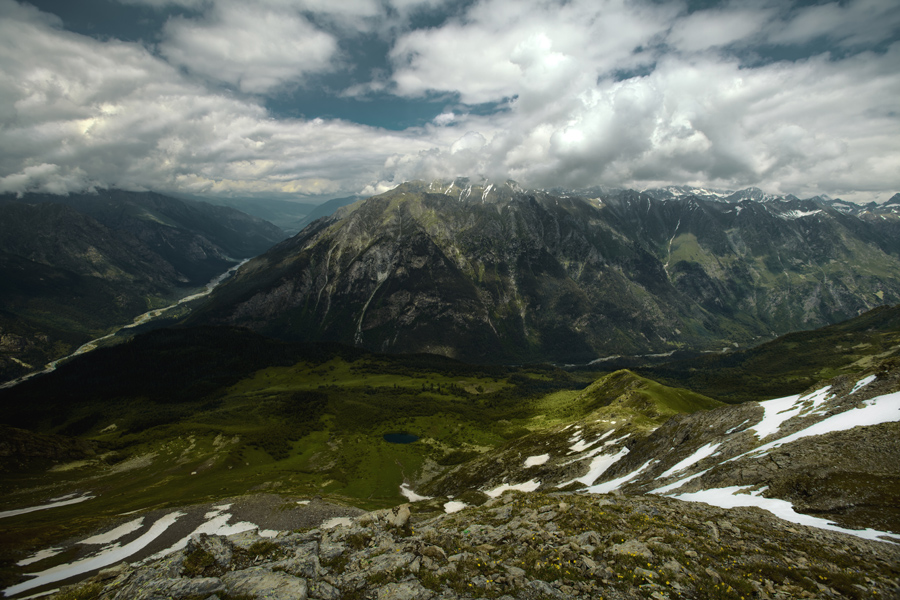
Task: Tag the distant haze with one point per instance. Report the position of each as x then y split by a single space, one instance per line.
287 100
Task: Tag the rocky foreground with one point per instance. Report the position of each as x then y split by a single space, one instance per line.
524 547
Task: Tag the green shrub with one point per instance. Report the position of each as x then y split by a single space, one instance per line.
197 562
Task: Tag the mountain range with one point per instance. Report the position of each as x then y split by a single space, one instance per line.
500 274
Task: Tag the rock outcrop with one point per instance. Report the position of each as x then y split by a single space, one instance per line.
524 547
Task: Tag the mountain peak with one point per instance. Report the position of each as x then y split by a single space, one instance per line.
465 189
486 272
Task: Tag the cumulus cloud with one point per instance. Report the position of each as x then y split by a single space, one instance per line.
698 116
501 49
584 92
82 113
254 48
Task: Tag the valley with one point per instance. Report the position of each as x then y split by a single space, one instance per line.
152 317
77 267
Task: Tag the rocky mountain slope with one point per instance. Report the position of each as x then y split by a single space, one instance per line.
73 266
828 455
522 547
500 274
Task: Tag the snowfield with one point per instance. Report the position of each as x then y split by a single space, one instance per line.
109 555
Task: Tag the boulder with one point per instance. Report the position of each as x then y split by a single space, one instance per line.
261 583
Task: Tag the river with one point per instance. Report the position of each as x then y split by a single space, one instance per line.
139 320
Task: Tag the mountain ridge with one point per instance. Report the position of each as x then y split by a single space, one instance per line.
497 273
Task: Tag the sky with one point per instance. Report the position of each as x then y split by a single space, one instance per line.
314 99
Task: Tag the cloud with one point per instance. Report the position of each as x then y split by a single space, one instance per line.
719 27
44 177
696 116
858 22
805 128
254 48
608 92
501 49
82 113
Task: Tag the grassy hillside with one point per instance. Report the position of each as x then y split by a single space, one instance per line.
176 417
242 412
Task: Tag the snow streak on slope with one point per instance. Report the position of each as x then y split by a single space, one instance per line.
883 409
693 459
783 409
109 556
734 496
731 452
609 486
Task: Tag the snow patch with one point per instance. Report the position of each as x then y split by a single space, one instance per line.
797 214
732 497
779 410
107 557
882 409
617 440
528 486
674 486
22 511
862 383
119 532
533 461
697 456
39 556
216 524
614 484
411 495
454 506
736 427
336 522
598 467
581 446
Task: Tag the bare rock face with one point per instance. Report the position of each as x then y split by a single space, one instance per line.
260 582
499 274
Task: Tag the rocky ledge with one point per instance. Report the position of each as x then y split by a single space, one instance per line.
522 547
